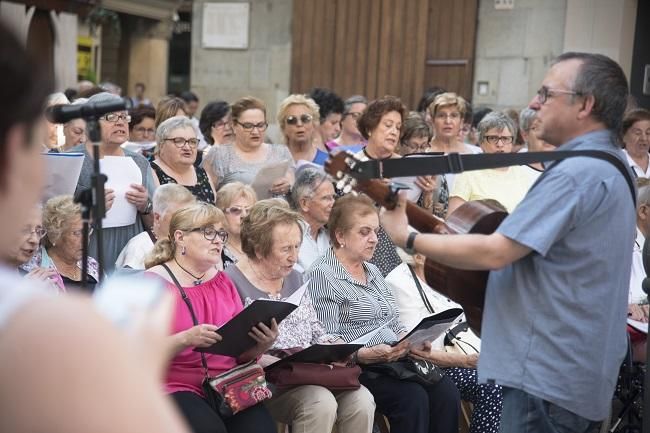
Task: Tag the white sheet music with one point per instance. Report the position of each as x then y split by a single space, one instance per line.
62 173
121 172
296 297
639 326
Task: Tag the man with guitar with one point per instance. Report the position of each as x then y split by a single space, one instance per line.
553 327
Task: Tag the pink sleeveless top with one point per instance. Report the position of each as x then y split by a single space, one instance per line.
215 301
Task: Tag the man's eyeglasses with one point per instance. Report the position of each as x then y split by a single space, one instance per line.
237 210
143 130
113 117
494 139
180 141
304 119
545 92
210 233
353 114
248 127
40 232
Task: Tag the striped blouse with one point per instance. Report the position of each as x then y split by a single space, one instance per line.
348 308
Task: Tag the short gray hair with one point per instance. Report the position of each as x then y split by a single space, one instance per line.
171 194
356 99
172 124
526 117
306 184
498 120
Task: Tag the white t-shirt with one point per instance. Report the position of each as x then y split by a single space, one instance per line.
134 252
637 295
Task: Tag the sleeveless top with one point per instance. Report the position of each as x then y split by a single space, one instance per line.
202 190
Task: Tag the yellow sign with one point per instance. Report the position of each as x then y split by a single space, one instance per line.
84 56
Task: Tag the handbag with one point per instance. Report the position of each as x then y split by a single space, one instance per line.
234 390
425 373
333 377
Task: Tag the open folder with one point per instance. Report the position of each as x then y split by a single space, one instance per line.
432 327
320 354
235 338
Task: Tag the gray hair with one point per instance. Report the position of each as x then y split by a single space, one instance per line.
57 99
498 120
306 184
171 194
105 97
601 77
356 99
526 117
172 124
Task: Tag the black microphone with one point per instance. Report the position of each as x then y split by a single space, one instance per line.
65 113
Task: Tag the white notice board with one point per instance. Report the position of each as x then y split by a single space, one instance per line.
225 25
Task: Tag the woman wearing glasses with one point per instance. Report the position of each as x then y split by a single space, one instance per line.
507 185
235 200
177 147
192 253
297 115
240 161
62 248
114 133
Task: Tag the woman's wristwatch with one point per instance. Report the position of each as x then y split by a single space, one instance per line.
409 248
149 208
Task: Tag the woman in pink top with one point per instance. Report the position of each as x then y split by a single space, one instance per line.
192 252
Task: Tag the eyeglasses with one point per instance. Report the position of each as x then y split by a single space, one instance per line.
180 141
494 139
445 116
353 114
221 124
304 119
40 232
237 210
78 233
143 130
210 233
113 117
545 92
248 127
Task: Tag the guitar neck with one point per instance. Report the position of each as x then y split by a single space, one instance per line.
422 219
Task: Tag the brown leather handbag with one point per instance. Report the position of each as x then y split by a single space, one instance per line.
333 377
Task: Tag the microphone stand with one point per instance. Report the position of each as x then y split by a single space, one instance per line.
93 205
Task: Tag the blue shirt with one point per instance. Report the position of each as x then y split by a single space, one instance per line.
320 157
554 321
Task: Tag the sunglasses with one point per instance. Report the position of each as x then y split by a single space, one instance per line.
237 210
304 119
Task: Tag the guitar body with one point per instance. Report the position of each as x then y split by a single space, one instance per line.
464 287
482 217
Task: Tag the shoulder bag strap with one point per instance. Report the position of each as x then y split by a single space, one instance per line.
189 307
421 290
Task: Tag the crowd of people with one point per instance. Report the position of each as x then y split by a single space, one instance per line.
224 216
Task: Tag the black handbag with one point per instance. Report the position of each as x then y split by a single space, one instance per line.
426 373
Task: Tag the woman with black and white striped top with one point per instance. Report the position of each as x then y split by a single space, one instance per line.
352 298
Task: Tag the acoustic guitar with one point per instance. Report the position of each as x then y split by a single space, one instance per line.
464 287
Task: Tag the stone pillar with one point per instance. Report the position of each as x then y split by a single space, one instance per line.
149 58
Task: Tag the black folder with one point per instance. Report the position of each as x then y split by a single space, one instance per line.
235 338
320 354
432 327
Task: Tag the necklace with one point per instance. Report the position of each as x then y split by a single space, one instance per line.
197 280
264 278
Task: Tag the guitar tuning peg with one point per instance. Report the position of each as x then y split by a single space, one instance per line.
339 174
347 188
340 185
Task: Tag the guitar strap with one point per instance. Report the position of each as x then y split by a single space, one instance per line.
456 163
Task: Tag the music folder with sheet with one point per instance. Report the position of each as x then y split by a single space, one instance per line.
320 354
431 327
235 339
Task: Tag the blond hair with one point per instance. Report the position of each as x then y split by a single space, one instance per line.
257 227
232 191
57 213
185 219
297 99
448 99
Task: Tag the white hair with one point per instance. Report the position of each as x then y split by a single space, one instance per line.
171 194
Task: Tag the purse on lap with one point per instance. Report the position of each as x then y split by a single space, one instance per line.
332 377
238 388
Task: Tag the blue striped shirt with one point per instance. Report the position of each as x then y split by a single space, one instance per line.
348 308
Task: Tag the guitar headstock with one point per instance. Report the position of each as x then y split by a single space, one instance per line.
342 168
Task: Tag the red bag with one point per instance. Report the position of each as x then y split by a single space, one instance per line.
237 389
333 377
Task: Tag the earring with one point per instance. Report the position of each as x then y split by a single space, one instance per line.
342 245
182 250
